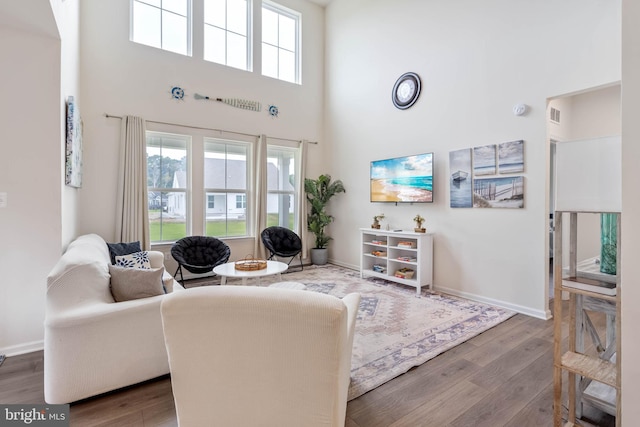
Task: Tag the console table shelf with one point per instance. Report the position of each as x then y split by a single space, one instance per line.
592 378
404 257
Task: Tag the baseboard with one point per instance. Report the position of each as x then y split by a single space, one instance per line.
540 314
29 347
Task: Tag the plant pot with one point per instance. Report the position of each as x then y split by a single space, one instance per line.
319 256
376 226
420 230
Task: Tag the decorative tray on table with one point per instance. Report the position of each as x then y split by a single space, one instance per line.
251 264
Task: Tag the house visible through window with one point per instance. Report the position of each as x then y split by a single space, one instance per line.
280 42
225 180
281 186
165 24
167 183
227 32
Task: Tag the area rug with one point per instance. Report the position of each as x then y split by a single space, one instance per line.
396 330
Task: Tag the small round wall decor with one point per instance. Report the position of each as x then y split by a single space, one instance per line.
406 91
177 93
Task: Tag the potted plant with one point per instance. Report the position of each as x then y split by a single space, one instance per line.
319 192
419 220
376 221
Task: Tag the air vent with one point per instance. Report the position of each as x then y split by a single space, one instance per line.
554 115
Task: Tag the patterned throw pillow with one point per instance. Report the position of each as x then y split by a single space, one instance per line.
134 260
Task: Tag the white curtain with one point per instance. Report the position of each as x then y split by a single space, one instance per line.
132 220
302 200
260 200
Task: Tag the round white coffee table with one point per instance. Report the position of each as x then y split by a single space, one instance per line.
229 270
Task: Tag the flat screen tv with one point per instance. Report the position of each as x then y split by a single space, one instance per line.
403 179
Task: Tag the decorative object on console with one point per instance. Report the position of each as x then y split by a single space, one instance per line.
419 220
319 192
376 221
406 91
244 104
73 149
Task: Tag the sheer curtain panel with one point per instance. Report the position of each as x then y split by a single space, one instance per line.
260 196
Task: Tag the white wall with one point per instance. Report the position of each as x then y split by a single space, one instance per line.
476 60
587 115
120 77
30 174
630 267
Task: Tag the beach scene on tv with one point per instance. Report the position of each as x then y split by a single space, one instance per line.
403 179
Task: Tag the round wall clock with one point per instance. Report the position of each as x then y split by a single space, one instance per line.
406 91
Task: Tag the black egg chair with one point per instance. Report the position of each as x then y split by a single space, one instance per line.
282 242
199 254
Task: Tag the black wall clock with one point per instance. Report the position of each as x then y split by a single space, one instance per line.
406 91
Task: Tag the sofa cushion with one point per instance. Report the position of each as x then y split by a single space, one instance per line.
135 283
134 260
117 249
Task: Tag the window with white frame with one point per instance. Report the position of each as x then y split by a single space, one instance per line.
281 186
226 171
165 24
227 32
167 185
280 42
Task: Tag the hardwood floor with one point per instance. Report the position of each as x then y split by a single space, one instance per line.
502 377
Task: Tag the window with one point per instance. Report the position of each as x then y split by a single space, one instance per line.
241 201
225 179
211 202
165 24
280 42
281 186
227 32
167 184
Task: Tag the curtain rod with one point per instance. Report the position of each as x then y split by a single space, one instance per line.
111 116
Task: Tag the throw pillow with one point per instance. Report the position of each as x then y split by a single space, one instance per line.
116 249
135 283
134 260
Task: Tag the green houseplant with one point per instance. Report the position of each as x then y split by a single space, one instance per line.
319 192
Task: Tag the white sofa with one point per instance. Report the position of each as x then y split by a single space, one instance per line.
93 344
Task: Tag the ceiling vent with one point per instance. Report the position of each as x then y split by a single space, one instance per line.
554 115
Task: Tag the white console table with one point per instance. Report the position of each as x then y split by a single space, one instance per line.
384 253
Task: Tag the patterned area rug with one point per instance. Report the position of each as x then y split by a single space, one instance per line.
396 330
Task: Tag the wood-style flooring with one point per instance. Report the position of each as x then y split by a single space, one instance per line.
502 377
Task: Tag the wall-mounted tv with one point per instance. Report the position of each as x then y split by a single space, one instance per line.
403 179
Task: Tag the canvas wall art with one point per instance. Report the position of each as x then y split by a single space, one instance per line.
511 157
73 152
460 190
503 192
484 160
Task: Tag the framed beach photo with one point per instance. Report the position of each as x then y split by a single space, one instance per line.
511 157
502 192
460 190
73 152
484 160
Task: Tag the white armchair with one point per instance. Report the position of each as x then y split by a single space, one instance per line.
249 356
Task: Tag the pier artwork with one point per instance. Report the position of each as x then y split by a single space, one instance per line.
499 192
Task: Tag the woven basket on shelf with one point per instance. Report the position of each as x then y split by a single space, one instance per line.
249 263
